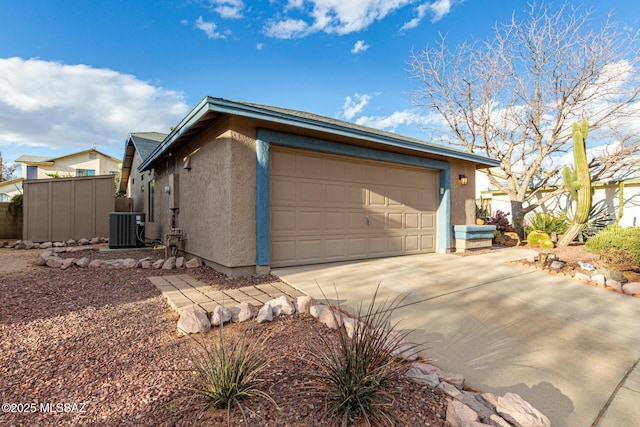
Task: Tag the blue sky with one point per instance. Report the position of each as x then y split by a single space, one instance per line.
77 72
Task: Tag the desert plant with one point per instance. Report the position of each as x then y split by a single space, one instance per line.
623 242
578 182
500 220
352 379
539 239
227 373
546 222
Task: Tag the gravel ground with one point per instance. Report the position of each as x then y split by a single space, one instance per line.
99 347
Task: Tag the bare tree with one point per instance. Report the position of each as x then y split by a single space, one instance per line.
515 96
6 171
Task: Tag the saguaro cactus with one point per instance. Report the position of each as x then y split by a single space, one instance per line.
578 181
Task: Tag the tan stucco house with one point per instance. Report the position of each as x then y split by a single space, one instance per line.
253 187
83 163
10 188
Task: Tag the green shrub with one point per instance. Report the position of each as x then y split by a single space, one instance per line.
624 242
536 239
547 222
352 379
227 373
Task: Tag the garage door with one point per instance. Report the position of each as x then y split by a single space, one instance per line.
329 208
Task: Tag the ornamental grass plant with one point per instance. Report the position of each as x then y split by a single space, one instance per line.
226 373
352 377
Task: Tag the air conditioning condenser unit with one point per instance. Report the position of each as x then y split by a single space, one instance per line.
126 230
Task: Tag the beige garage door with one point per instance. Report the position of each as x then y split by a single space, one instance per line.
329 208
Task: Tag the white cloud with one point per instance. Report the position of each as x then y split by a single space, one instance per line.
259 46
334 17
228 9
390 122
54 105
288 29
209 29
360 46
354 106
438 9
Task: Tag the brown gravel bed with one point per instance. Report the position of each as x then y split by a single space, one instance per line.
106 341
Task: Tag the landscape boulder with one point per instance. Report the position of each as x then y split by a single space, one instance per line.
84 242
460 415
169 264
83 262
220 315
180 262
519 412
242 312
54 262
96 263
193 321
303 303
330 318
632 288
194 263
265 314
316 310
67 262
158 264
129 263
46 245
281 305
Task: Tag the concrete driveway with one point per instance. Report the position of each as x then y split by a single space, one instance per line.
569 349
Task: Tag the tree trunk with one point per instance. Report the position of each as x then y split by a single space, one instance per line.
571 234
517 217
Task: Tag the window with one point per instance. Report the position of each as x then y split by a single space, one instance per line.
32 172
85 172
152 188
4 197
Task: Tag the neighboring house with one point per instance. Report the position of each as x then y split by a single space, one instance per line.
138 147
253 187
84 163
605 198
10 188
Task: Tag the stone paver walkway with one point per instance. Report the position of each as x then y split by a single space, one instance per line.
183 291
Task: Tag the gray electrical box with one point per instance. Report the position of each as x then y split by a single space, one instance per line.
126 229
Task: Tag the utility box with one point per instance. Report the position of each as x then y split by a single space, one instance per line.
126 230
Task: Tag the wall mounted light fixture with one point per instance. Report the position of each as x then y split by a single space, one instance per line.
463 179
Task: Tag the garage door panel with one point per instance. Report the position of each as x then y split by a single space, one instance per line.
330 208
283 191
282 221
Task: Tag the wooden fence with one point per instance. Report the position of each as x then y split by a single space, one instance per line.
10 228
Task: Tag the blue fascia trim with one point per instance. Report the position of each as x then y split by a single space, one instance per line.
265 138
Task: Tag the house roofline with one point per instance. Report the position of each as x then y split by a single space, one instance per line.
313 122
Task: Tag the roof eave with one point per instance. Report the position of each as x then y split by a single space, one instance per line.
223 106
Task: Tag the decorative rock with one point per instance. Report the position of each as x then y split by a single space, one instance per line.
67 262
146 264
220 315
330 318
19 245
129 263
497 421
460 415
169 264
557 265
303 304
96 263
83 262
265 314
490 398
599 279
476 402
582 276
193 321
46 245
349 325
193 263
54 262
532 259
614 284
520 413
59 249
180 262
455 380
103 240
158 264
141 260
71 242
84 242
281 305
242 312
316 310
112 263
449 389
95 240
632 288
612 275
420 377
